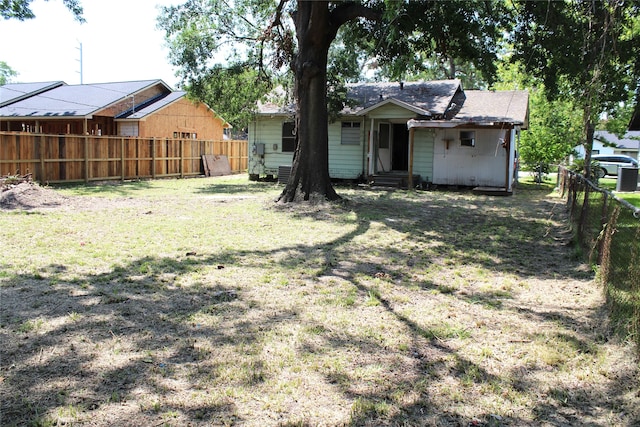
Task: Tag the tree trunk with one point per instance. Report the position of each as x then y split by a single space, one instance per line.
309 177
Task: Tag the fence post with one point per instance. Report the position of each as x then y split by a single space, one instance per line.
153 157
122 159
41 147
86 159
181 158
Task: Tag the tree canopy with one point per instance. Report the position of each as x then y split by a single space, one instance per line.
584 52
6 73
21 9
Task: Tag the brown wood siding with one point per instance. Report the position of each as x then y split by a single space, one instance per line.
63 126
128 101
183 116
60 158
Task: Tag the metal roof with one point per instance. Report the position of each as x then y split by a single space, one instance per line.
151 106
13 92
76 100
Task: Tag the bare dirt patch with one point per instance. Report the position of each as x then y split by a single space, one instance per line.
413 309
27 195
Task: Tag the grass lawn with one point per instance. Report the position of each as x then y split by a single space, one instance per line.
610 184
202 302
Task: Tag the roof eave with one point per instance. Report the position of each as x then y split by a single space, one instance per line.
402 104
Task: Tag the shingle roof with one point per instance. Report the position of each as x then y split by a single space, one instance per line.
484 106
426 98
75 100
435 100
631 140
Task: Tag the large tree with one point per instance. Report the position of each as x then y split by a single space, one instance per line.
297 36
584 51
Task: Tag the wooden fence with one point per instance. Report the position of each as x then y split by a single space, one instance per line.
77 158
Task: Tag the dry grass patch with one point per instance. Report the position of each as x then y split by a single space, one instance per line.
201 302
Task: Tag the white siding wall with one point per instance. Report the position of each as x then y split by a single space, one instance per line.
482 165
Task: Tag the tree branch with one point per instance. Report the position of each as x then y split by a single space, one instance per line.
349 11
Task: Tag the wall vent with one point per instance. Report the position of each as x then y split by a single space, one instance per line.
283 174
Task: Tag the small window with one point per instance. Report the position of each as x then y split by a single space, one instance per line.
288 137
467 138
350 133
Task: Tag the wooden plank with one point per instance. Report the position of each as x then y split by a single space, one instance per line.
205 163
218 165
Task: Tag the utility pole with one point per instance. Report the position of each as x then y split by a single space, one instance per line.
80 49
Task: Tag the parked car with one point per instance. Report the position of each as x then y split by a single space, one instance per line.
608 163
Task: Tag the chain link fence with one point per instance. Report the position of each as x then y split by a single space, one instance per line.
609 229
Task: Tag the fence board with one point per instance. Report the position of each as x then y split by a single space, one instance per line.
72 158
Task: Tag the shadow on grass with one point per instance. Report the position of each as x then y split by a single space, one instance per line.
132 334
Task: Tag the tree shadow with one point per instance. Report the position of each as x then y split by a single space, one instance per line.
133 331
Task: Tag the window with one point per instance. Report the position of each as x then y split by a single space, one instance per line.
288 137
350 133
467 138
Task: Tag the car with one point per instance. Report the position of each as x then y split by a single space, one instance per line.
608 163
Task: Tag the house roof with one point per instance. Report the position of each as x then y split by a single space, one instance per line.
155 104
429 98
75 100
151 106
13 92
483 106
630 141
438 103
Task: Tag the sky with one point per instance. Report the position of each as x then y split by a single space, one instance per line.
119 39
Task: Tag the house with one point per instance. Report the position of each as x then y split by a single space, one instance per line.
430 132
147 108
608 143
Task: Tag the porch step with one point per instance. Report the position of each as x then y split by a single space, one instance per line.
394 180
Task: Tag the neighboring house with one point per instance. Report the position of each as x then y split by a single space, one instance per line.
434 132
146 108
608 143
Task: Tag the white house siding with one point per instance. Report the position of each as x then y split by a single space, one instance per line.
482 165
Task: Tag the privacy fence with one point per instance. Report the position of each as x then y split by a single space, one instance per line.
78 158
609 228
